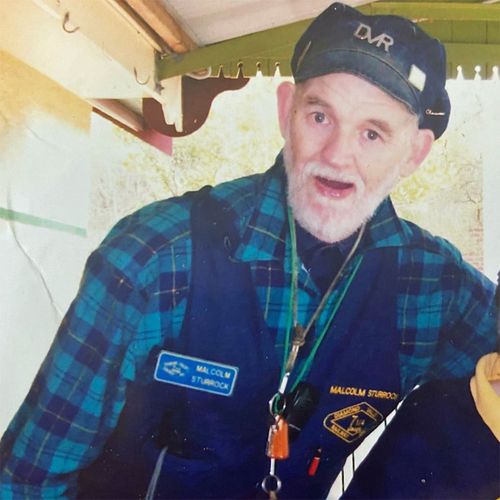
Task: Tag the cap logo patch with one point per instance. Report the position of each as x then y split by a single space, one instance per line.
417 77
364 32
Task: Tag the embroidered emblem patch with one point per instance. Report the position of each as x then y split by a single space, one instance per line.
195 373
354 422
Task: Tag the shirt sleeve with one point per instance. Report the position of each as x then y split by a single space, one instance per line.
132 295
469 331
78 392
446 313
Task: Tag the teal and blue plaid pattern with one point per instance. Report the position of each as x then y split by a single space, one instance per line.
133 297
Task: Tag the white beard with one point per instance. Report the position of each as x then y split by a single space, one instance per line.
328 219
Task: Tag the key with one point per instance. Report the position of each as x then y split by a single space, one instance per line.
277 441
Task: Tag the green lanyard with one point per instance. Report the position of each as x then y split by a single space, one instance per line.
277 441
292 307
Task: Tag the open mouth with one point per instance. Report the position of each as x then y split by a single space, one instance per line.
335 189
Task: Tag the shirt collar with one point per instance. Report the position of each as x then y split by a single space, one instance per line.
263 235
386 229
309 244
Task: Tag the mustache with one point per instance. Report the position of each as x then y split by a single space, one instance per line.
297 177
321 170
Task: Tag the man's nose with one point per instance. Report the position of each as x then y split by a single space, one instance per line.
338 149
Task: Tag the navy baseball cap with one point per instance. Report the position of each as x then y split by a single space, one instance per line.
389 51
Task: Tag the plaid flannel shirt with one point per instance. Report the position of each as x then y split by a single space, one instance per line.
133 296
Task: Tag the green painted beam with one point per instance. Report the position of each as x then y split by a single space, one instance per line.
469 55
280 39
436 11
266 48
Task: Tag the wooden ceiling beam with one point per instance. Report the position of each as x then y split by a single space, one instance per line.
167 28
138 23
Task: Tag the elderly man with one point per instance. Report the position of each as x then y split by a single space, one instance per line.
244 339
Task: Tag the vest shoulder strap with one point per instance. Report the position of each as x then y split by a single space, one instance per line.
212 221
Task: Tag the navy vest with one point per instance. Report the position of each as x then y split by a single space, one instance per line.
437 446
216 444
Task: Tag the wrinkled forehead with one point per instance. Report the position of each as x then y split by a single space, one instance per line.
334 88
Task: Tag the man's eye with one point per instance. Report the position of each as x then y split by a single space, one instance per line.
319 117
372 135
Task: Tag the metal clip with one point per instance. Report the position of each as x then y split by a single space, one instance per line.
137 78
65 24
299 335
271 484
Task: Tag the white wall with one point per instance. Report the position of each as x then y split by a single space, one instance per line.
44 197
489 138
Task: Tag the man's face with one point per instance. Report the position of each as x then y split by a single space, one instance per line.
346 144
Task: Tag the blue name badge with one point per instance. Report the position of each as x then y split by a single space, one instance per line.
195 373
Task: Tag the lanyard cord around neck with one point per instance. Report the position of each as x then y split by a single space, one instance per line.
292 323
277 444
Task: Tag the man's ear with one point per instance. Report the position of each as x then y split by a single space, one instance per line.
420 148
285 93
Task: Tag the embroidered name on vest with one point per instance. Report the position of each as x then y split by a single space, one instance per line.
362 392
364 32
348 391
